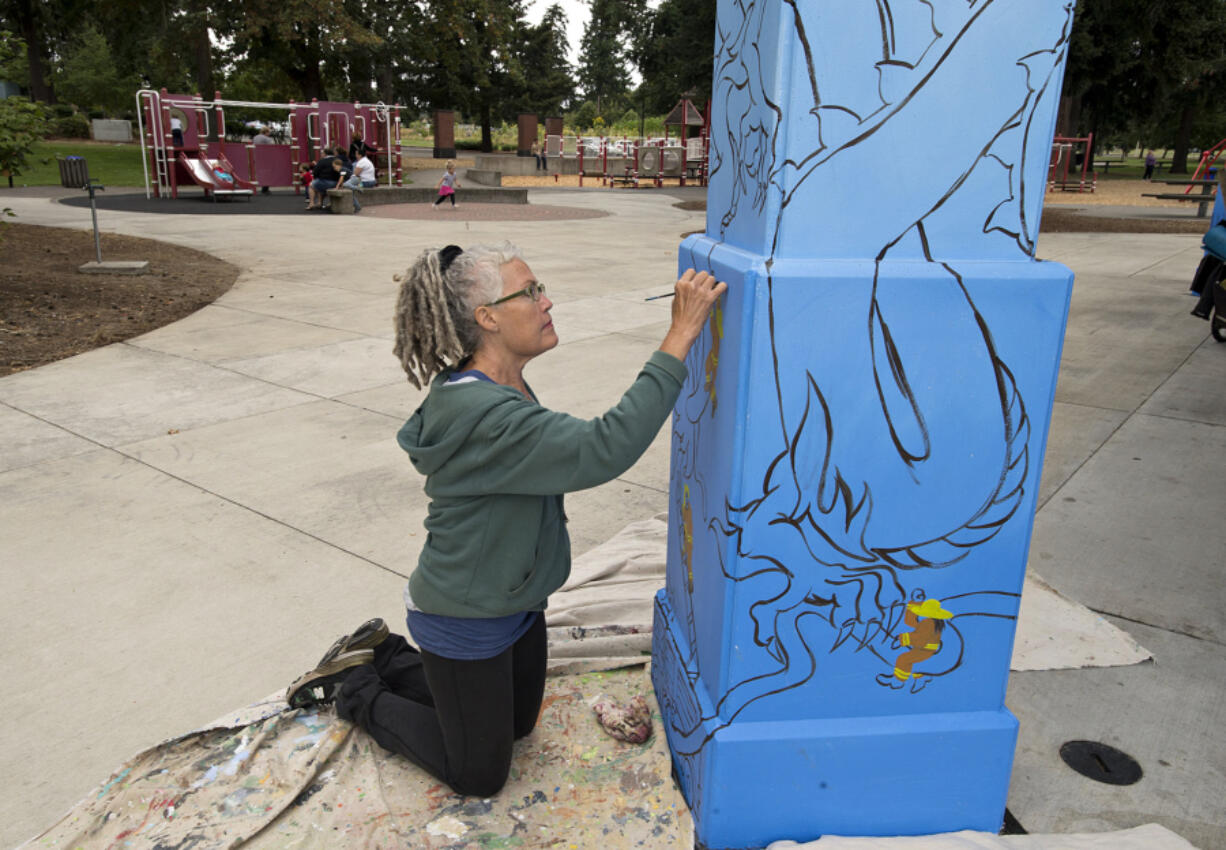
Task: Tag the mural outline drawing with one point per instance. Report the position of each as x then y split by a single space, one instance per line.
872 522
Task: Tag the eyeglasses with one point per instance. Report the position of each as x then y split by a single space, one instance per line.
533 290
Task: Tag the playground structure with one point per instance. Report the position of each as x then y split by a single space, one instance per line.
635 162
237 169
1071 153
1208 161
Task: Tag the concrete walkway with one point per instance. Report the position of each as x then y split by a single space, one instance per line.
192 516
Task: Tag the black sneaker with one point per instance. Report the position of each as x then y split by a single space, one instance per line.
366 636
321 684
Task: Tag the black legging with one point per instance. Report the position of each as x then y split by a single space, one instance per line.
442 198
455 719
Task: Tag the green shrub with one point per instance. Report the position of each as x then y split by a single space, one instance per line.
96 113
62 110
73 126
22 124
583 117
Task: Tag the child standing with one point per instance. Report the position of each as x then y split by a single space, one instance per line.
446 186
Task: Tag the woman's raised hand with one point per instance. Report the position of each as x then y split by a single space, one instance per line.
693 298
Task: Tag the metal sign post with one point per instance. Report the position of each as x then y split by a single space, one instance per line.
93 185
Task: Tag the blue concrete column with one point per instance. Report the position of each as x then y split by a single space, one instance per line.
856 455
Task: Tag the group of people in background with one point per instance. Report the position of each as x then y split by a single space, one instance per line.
339 168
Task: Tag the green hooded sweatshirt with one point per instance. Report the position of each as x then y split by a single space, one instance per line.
496 466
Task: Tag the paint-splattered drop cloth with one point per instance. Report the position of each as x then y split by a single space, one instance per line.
308 779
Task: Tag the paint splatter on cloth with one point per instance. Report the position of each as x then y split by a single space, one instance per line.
308 779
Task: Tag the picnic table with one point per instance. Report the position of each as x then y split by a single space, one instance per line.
1203 198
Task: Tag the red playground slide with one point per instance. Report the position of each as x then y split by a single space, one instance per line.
216 176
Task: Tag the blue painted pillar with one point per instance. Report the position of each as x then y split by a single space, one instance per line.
857 453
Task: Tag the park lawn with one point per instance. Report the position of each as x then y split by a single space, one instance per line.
112 163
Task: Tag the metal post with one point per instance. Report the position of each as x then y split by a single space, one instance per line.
93 212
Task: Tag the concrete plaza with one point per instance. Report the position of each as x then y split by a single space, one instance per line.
192 516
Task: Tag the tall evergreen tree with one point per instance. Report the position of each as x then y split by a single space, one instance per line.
674 50
89 77
549 81
604 51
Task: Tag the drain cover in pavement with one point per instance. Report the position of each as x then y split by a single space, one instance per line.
1100 762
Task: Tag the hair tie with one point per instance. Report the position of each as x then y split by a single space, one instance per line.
447 256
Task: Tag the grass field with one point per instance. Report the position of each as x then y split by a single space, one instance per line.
111 163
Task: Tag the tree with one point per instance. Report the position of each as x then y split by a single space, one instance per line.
583 117
29 19
88 77
22 123
549 79
604 54
1140 69
14 67
1184 54
674 50
473 60
1102 80
301 37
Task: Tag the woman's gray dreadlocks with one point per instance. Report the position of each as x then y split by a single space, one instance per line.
439 293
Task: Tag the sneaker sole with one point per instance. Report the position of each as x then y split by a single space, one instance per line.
319 685
368 635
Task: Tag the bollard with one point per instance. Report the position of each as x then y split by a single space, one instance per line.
856 452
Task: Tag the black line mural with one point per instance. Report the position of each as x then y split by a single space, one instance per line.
863 503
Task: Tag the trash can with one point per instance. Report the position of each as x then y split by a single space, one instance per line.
74 172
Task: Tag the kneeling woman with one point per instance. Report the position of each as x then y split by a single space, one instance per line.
496 465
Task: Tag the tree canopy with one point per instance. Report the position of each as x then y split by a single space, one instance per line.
1139 72
1148 73
480 57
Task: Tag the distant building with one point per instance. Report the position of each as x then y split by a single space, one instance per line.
8 89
